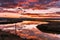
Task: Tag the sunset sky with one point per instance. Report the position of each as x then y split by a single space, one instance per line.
31 2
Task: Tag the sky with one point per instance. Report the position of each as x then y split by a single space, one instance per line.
32 2
49 10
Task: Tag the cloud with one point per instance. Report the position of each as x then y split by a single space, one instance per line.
49 10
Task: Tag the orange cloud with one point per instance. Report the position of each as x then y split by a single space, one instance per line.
32 0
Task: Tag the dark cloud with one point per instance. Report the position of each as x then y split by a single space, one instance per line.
57 3
31 2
